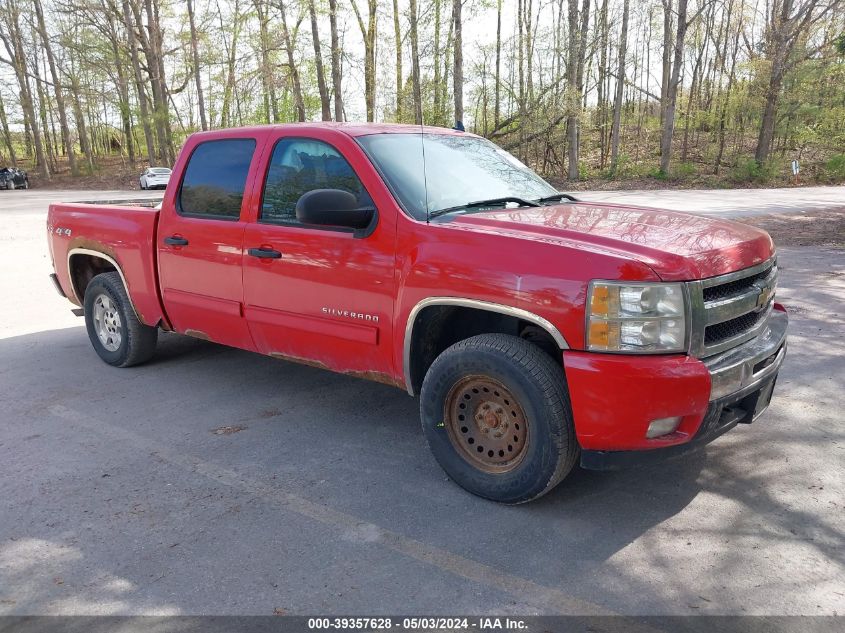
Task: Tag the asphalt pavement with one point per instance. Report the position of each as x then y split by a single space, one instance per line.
216 481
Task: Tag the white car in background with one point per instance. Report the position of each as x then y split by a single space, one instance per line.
155 178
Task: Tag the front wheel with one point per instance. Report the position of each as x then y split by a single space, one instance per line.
495 412
117 335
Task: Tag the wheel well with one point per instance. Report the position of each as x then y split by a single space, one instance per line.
440 326
83 268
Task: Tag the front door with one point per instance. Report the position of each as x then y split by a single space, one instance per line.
201 243
312 293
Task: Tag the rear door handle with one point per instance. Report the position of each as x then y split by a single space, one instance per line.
173 240
264 253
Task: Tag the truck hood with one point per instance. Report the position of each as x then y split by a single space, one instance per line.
677 246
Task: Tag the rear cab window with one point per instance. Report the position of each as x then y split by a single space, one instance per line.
215 179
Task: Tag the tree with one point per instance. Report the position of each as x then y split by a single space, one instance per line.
575 81
369 33
7 136
458 73
325 103
397 36
337 71
620 90
787 23
293 69
671 91
57 87
195 58
415 64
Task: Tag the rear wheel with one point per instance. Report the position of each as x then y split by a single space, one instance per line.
495 411
26 183
116 334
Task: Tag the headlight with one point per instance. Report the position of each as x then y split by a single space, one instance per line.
635 317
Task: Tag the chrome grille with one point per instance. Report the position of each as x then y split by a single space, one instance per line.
719 332
731 288
730 309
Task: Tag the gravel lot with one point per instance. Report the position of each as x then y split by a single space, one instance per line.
216 481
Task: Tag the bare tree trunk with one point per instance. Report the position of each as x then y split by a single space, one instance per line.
575 79
42 113
325 103
152 47
438 86
620 89
81 126
415 64
231 57
458 72
672 91
397 36
13 42
60 99
336 67
667 56
195 59
497 90
7 136
122 82
292 67
143 105
369 33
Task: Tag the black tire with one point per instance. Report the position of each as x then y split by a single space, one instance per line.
26 184
137 341
141 185
538 385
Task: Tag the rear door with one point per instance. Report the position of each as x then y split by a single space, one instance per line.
326 296
200 241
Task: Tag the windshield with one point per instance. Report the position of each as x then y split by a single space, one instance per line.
458 170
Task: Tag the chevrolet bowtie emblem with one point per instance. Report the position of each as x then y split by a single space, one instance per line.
763 297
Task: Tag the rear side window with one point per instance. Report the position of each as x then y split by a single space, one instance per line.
215 178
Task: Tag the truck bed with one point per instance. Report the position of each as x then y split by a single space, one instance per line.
120 236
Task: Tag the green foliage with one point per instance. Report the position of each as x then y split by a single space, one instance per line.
840 44
834 169
750 171
684 171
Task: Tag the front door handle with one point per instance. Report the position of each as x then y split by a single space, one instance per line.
264 253
174 240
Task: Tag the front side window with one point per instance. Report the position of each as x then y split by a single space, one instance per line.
456 170
301 165
215 179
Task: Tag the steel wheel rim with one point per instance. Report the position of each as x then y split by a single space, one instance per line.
107 323
486 424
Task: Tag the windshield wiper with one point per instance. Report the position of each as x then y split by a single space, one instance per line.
484 203
557 197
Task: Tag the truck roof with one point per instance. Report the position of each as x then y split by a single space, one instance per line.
349 128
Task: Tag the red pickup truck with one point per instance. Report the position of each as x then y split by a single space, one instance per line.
538 331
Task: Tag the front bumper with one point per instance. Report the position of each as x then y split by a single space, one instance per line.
615 398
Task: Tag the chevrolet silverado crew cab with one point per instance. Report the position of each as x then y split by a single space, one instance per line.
538 331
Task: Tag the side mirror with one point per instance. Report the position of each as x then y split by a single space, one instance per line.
333 207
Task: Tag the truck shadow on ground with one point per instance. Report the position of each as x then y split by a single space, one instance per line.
354 447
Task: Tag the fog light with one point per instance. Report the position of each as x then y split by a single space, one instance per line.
662 426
